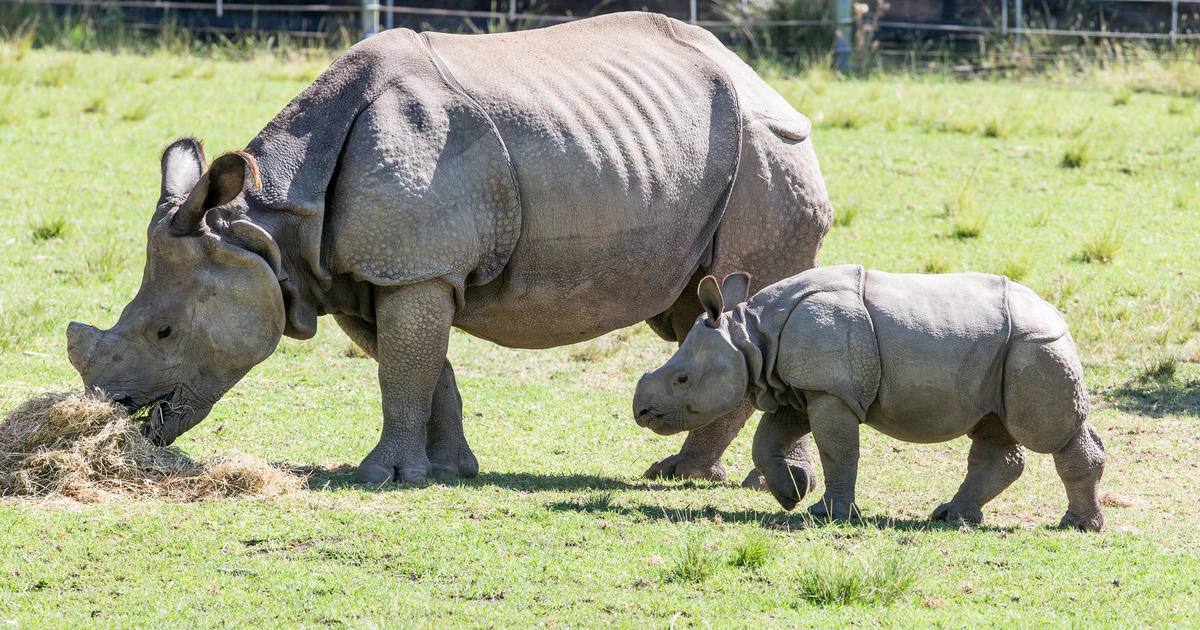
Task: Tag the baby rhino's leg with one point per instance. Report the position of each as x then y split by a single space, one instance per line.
1080 464
995 461
787 471
1045 400
835 430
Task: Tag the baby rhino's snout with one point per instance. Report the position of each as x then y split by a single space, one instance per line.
643 411
649 410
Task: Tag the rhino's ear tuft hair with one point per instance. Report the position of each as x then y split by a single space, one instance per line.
710 298
735 288
230 175
182 165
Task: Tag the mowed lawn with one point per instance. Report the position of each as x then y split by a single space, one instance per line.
1088 193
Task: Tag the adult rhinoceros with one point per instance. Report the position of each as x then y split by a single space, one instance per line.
535 189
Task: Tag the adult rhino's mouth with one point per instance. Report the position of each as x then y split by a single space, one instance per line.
169 416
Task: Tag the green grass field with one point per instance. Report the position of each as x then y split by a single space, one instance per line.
1088 194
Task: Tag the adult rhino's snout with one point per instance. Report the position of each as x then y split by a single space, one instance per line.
81 347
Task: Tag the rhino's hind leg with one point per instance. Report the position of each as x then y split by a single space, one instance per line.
1080 464
446 445
995 461
788 475
414 330
1045 401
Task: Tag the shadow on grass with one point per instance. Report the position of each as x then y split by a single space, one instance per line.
342 476
788 521
600 500
1155 398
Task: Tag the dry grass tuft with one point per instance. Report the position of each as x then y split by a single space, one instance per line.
1109 499
83 447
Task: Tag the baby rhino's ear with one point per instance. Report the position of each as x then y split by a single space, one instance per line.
735 288
710 298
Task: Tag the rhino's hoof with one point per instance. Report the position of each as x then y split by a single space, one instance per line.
952 513
682 466
755 481
789 484
463 464
373 474
411 475
836 510
1090 524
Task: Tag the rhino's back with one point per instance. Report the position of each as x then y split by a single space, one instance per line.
624 140
942 341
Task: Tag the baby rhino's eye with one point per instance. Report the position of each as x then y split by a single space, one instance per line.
164 332
681 379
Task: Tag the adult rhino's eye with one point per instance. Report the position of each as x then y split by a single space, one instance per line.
681 379
164 332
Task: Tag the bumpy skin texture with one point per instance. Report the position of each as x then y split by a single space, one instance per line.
922 358
535 189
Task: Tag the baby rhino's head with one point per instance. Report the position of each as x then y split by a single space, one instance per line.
707 376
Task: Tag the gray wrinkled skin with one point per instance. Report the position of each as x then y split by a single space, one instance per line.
535 188
921 358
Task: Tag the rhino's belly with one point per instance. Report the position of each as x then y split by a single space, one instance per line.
575 289
935 421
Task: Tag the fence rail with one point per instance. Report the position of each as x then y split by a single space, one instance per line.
372 10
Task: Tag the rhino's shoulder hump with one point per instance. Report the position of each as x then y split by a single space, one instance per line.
425 188
827 343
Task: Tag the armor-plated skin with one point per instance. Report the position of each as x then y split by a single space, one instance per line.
535 188
922 358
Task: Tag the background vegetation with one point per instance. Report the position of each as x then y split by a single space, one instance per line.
1082 183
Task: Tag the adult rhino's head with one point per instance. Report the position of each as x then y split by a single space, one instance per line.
707 377
209 307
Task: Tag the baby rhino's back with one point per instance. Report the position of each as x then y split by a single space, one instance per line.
942 341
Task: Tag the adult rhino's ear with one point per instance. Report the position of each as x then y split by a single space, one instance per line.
230 175
182 165
710 299
735 288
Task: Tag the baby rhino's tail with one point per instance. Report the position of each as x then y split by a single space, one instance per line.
1045 401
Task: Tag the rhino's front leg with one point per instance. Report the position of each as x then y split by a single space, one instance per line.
835 430
781 455
413 331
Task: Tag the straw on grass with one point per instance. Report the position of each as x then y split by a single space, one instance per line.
81 446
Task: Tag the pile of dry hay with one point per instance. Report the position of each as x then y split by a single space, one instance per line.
83 447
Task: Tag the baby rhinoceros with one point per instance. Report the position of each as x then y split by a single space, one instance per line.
922 358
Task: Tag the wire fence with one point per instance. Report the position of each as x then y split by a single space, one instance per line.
371 16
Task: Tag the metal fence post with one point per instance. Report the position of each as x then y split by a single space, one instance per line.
1004 17
220 8
1174 20
512 10
692 12
370 18
390 19
1020 23
841 40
